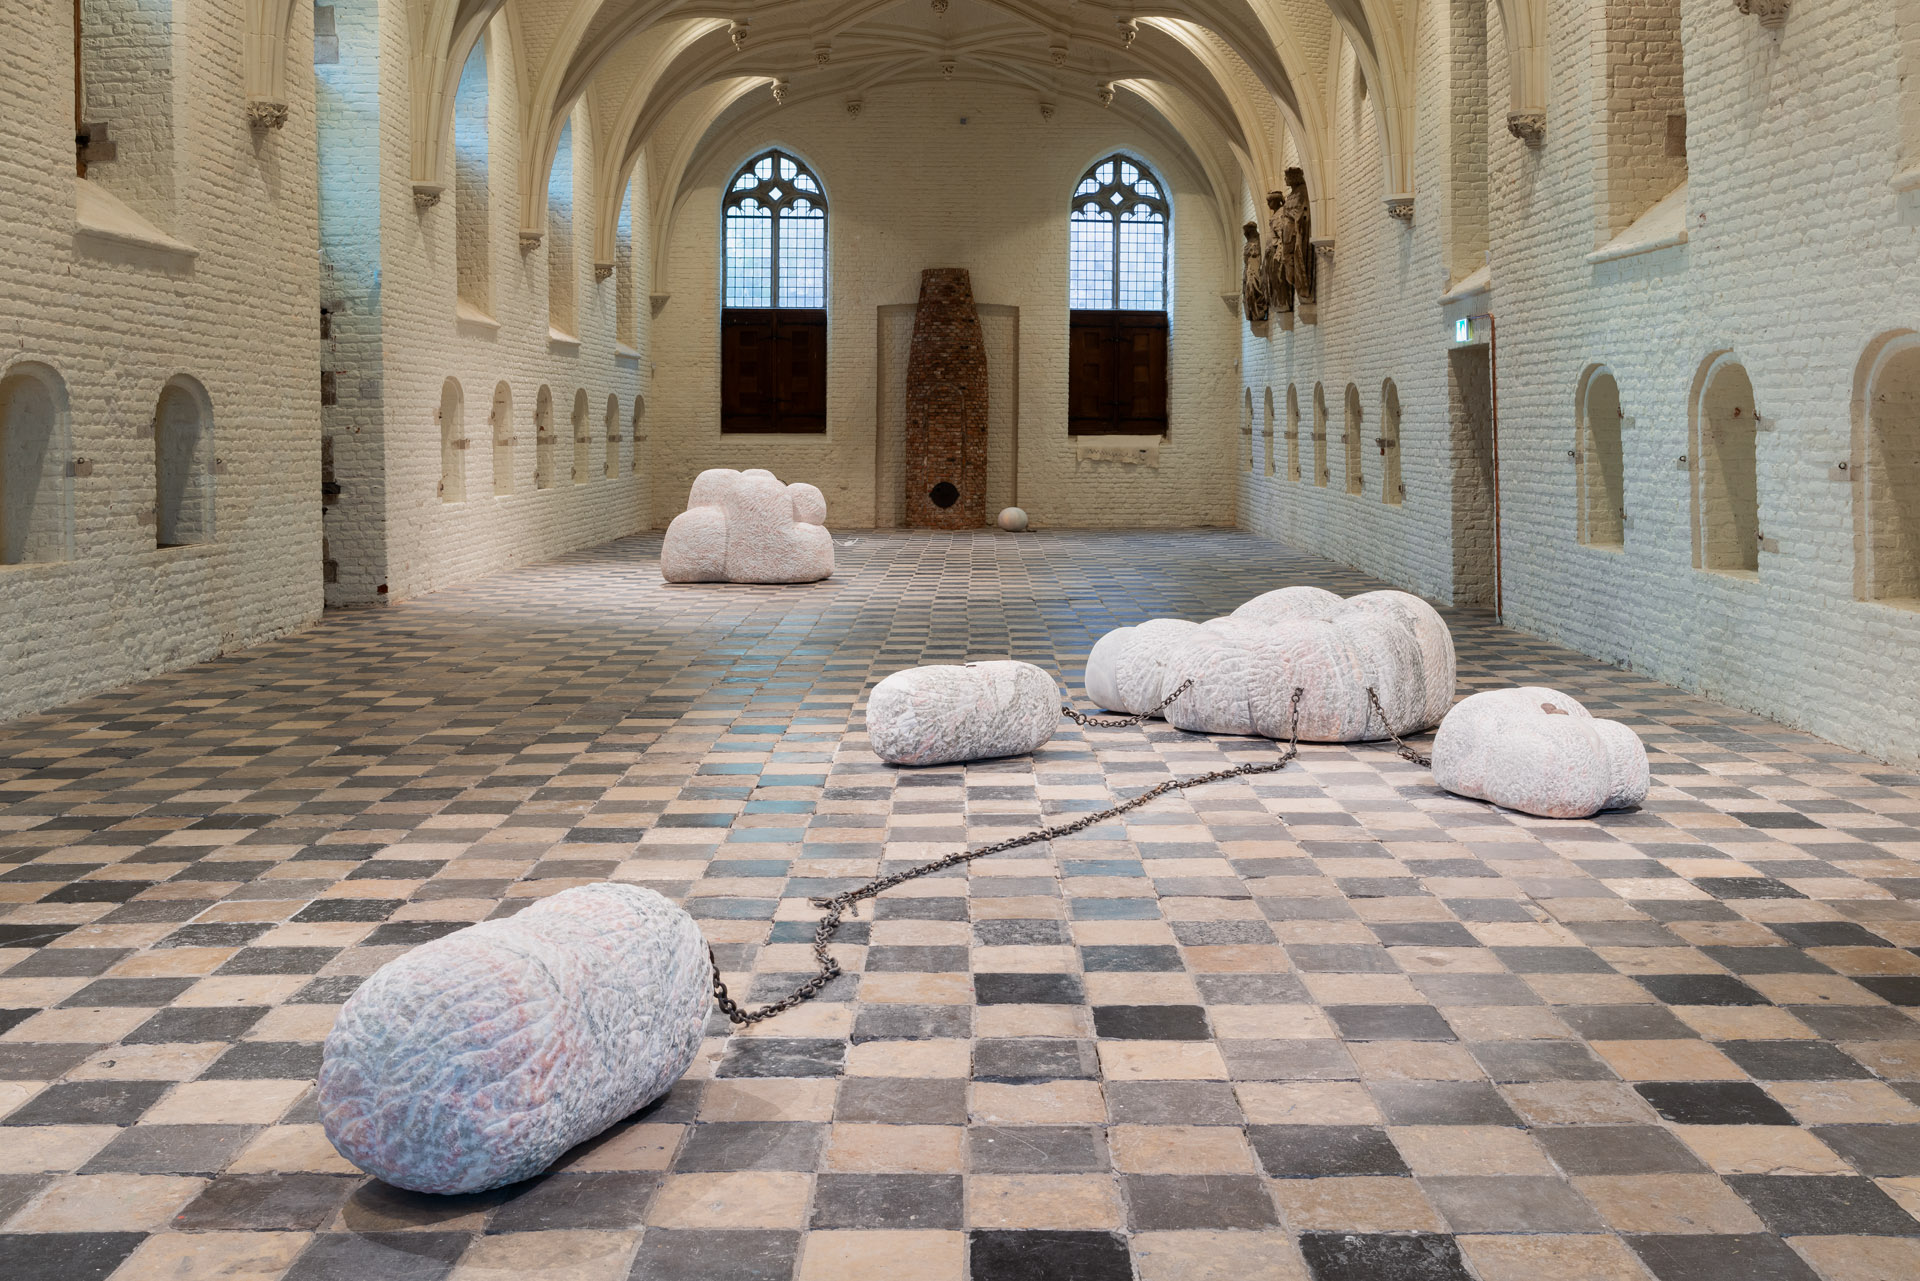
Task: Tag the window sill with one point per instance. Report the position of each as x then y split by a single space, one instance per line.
100 215
623 352
560 338
471 317
186 551
1739 575
1480 282
1662 227
1906 180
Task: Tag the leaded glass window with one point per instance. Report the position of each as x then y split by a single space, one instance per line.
1117 253
775 242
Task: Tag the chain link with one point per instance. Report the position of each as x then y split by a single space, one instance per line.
1123 722
1406 753
836 905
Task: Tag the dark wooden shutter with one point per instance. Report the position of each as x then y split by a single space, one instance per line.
1117 373
773 370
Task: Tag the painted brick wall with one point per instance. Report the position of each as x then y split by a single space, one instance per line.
910 187
117 324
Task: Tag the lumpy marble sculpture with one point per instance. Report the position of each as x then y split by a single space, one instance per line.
747 527
1246 666
1540 752
475 1060
936 715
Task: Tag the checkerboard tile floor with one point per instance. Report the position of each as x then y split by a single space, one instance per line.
1330 1023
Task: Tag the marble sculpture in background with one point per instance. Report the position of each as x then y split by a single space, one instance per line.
476 1060
1246 666
747 527
1540 752
935 715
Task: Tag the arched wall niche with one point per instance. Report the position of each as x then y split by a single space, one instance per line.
1353 423
611 466
582 423
638 431
1599 461
1293 432
1322 474
453 442
183 465
1723 465
502 431
1392 491
1246 429
543 438
1266 428
1885 471
36 487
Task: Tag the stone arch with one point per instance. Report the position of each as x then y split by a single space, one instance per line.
1885 471
1392 491
502 425
1293 432
36 485
543 438
182 464
452 416
1599 462
1352 423
611 467
582 423
1723 466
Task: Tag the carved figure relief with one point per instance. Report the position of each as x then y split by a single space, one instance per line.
1279 292
1293 226
1253 277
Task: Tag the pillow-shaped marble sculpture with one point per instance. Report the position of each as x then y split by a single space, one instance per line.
936 715
1537 751
747 527
477 1059
1246 666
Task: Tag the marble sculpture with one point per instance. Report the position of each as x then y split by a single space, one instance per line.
1540 752
747 527
936 715
1245 666
477 1059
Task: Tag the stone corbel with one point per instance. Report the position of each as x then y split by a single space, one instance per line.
427 194
530 241
853 108
1399 207
1529 127
602 271
1046 111
1104 91
1772 13
262 116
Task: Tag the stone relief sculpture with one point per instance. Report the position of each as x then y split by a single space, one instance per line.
1540 752
1245 667
1253 277
477 1059
747 527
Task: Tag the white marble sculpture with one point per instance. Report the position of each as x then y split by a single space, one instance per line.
1246 666
747 527
477 1059
1540 752
935 715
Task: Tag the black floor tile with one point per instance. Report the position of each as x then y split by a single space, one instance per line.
1321 1151
1048 1256
1823 1205
1714 1103
65 1256
1367 1256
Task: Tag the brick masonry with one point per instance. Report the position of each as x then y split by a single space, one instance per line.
946 406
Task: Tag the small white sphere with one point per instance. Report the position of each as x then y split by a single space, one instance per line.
1012 519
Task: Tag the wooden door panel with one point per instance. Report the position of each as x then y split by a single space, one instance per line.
1117 373
773 370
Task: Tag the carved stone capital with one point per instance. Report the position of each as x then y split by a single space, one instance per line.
1399 207
530 241
602 270
427 194
780 93
266 115
1772 13
1529 127
737 32
1129 32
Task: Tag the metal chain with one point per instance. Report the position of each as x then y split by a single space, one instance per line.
1405 752
1123 722
836 905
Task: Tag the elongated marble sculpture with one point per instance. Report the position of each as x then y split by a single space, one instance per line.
935 715
1246 666
475 1060
1540 752
747 527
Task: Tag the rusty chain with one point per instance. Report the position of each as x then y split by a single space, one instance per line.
836 905
1406 753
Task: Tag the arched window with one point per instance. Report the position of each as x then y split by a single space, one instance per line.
776 244
1599 464
1117 290
773 321
1118 256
